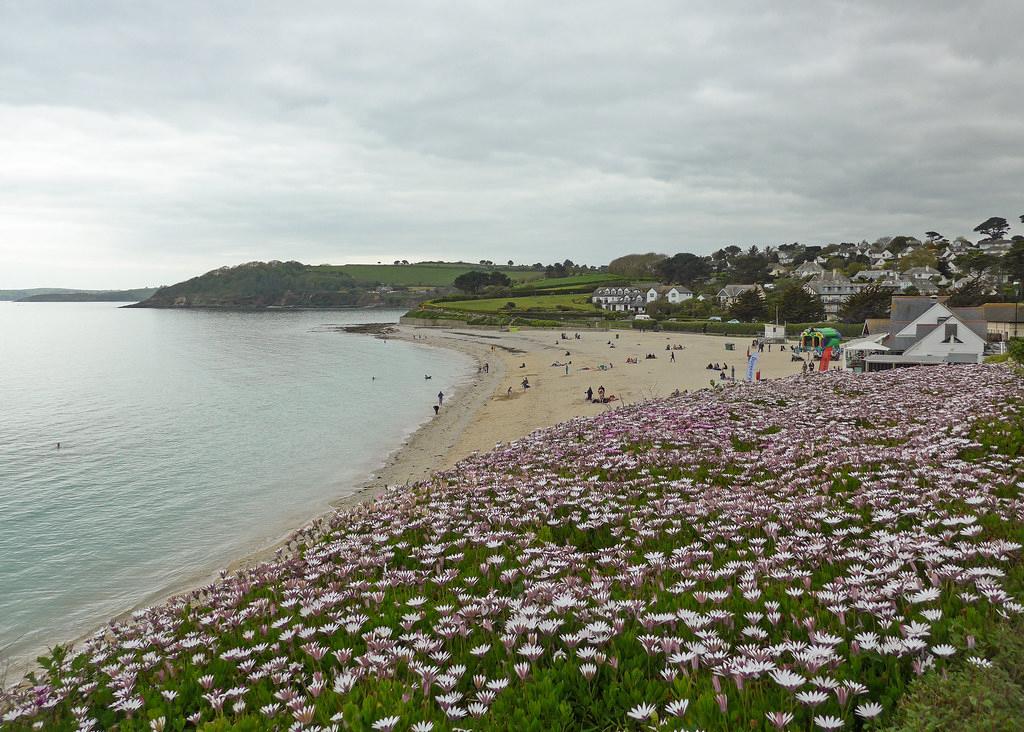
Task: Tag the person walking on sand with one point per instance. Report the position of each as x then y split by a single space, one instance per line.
436 409
672 358
590 394
600 394
440 398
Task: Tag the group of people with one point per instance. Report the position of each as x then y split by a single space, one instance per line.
601 398
722 369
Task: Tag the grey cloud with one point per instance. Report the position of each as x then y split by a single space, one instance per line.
159 140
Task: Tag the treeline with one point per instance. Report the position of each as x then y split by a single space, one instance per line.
264 284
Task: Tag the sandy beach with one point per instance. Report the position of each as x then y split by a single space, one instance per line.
487 413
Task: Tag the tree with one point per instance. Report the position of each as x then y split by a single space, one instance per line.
748 306
684 268
797 305
933 236
918 258
975 263
1013 261
750 267
635 266
510 263
871 302
994 227
970 294
474 281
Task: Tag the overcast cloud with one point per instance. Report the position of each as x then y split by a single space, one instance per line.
142 143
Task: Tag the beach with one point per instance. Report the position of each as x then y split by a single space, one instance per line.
488 413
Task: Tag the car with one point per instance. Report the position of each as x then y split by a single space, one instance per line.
715 317
642 316
732 321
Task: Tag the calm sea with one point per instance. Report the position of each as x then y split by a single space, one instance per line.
188 438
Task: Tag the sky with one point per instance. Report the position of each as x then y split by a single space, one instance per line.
143 143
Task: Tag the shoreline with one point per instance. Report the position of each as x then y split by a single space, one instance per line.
405 464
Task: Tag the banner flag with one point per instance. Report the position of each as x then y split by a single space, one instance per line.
752 366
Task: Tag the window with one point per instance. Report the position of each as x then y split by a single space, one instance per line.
951 336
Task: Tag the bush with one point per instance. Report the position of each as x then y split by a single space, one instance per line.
1016 349
971 699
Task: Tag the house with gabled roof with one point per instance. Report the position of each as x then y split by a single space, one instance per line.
809 269
728 294
674 294
923 330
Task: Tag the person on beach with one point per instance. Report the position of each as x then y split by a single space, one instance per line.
600 394
440 398
590 394
672 358
509 392
436 409
526 383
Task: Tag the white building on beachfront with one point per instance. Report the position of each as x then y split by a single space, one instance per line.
620 299
923 330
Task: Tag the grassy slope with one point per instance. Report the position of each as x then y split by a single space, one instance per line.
429 274
557 283
544 303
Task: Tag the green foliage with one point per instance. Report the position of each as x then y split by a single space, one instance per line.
749 305
539 303
871 302
475 280
994 227
1016 349
798 305
921 257
683 268
970 294
636 266
969 699
422 274
582 283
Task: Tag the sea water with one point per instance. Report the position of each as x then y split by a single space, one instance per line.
187 438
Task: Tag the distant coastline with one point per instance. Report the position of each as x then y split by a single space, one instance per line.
109 296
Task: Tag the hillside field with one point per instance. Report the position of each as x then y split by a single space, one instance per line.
425 274
546 303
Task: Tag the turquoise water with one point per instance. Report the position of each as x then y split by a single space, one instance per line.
188 438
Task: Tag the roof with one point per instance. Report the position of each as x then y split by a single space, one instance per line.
921 359
732 290
1003 312
873 326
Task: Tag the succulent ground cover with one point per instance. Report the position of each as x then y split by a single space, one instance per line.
785 555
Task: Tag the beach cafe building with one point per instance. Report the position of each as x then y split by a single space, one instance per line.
921 331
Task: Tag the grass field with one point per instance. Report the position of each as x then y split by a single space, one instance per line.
426 274
558 283
546 303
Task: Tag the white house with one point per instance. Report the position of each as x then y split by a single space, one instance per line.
925 273
923 330
620 299
674 294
